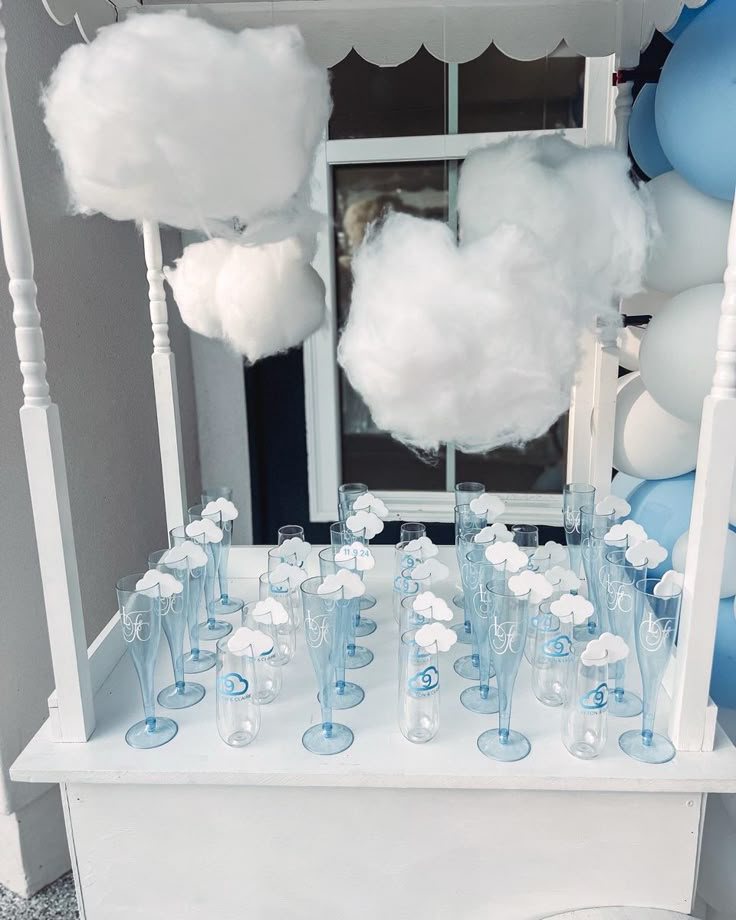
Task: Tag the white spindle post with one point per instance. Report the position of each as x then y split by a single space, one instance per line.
44 449
708 528
164 382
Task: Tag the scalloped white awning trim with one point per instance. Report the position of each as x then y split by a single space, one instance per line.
388 32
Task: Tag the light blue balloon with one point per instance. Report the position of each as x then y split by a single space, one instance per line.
662 507
686 17
623 485
723 678
643 138
696 102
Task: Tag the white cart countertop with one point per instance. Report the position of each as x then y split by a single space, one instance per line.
380 756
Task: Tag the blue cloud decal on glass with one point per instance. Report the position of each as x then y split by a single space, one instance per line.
596 698
233 684
423 681
559 647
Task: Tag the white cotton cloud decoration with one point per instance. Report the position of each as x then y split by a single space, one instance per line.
285 572
222 508
626 530
573 607
357 553
370 502
206 529
430 568
613 504
422 547
187 551
429 605
507 554
349 583
579 202
270 610
261 300
365 522
494 533
670 584
435 634
537 585
249 641
295 546
552 552
648 553
606 644
144 133
474 344
167 584
490 505
562 579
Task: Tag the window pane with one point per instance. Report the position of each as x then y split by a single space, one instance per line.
363 193
538 467
500 94
373 101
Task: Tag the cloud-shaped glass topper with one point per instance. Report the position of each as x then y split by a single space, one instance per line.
370 502
435 635
270 611
562 579
613 504
430 568
348 583
188 550
206 530
647 553
295 546
537 585
670 584
605 645
422 548
494 533
287 574
167 584
552 552
490 505
572 607
507 554
247 641
627 530
365 522
357 553
432 607
222 507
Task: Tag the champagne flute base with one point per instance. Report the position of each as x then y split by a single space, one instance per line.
351 695
459 601
359 659
366 627
474 700
515 746
464 635
317 741
647 747
151 733
224 606
211 630
464 667
625 705
367 601
173 697
203 662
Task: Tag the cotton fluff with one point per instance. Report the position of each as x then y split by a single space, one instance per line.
261 300
474 344
580 202
165 117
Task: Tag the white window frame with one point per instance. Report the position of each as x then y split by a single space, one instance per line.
321 379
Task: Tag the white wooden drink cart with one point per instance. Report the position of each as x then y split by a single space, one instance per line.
196 829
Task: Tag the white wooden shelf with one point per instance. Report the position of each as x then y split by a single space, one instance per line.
380 756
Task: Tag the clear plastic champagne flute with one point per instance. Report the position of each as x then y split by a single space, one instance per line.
196 660
576 495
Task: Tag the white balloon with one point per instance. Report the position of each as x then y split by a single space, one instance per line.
692 247
732 512
677 357
648 442
645 303
728 579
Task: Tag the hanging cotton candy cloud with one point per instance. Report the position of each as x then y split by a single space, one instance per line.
474 344
165 117
579 202
261 300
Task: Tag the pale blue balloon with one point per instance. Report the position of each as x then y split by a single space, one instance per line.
696 102
686 17
643 138
662 507
723 678
623 485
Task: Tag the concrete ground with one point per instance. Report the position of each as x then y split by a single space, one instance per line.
56 902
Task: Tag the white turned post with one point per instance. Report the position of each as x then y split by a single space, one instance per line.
43 449
708 529
164 382
622 114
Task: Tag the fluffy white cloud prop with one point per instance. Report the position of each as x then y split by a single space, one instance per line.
579 202
168 118
261 300
474 344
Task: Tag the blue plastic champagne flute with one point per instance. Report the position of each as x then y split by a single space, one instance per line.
576 495
223 604
656 620
324 638
477 572
621 576
341 535
509 620
196 660
593 528
140 618
466 521
347 493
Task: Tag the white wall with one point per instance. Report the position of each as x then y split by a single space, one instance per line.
93 301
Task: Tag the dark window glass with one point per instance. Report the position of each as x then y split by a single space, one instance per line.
497 93
363 193
373 101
